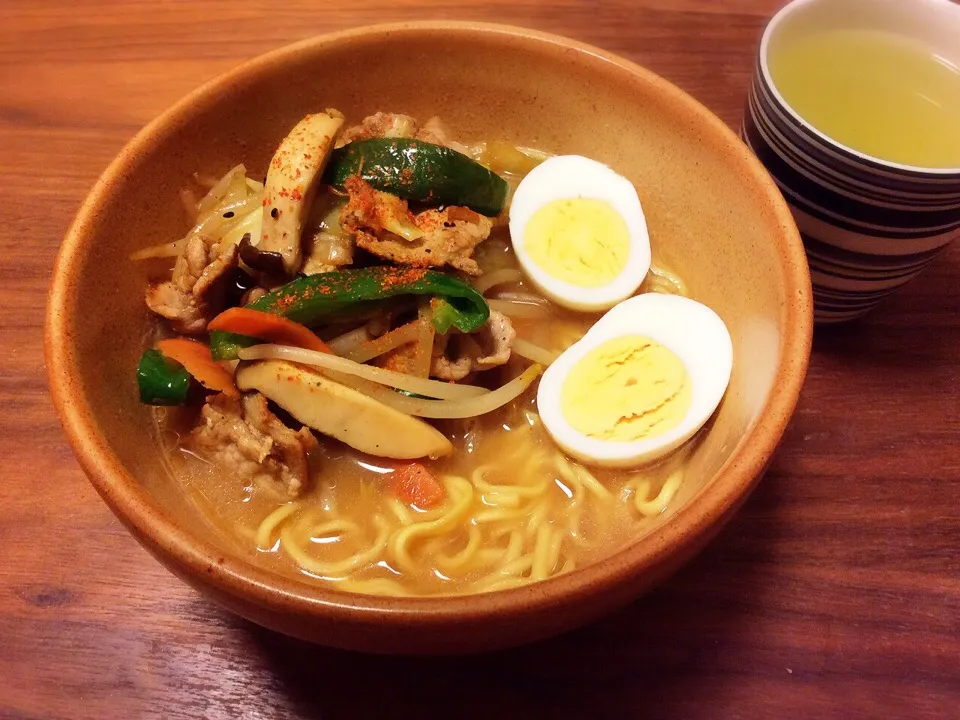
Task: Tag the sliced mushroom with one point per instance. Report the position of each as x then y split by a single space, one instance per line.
343 413
295 172
270 263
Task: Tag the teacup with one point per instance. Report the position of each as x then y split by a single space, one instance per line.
869 225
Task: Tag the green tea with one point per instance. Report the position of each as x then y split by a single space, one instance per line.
882 94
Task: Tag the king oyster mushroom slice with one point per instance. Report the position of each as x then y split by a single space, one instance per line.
343 413
295 172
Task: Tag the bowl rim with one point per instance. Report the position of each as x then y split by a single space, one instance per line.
239 577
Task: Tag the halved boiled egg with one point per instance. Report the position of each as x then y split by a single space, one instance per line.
640 383
579 233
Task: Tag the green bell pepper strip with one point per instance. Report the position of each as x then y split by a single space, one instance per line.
420 171
162 381
444 315
313 299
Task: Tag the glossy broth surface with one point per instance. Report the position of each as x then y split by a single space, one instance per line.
516 509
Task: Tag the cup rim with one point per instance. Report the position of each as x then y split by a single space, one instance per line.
879 163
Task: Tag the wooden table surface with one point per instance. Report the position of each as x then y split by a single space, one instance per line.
834 593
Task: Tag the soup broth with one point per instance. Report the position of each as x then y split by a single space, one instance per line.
359 409
516 510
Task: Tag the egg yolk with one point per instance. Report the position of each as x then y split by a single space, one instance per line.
582 241
627 389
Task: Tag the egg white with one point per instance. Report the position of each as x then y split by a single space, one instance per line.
572 176
692 331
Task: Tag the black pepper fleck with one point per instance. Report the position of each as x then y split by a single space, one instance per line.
228 214
274 213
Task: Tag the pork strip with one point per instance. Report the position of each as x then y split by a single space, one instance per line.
244 437
195 292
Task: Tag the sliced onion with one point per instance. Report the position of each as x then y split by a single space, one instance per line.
423 354
188 199
163 250
247 215
343 344
520 310
444 409
213 224
240 206
421 386
205 181
385 343
534 353
502 157
236 194
663 281
497 277
327 248
522 297
220 189
250 223
401 227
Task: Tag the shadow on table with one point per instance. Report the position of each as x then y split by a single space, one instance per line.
649 655
915 326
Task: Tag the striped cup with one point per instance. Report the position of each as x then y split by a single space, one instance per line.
869 226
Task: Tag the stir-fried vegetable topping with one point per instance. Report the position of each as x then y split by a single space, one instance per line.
311 300
196 360
422 387
162 381
165 373
414 485
444 315
294 174
413 202
421 171
267 326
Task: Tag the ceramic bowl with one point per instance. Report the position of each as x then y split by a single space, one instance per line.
869 225
713 213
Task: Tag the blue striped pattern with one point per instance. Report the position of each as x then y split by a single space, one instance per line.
868 227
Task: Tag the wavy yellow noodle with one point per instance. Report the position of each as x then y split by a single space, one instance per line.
337 567
270 522
400 544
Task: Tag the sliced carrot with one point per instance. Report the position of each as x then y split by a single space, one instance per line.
267 326
415 485
196 358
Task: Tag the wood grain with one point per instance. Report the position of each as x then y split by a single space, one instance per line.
834 593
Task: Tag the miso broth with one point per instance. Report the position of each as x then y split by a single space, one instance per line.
388 295
517 510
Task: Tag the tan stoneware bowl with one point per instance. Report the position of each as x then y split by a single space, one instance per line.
713 213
